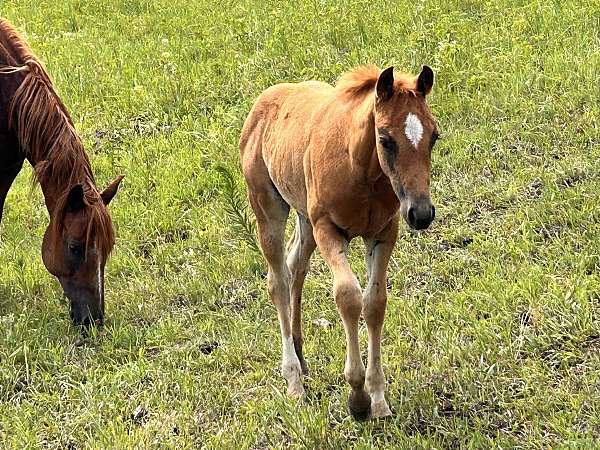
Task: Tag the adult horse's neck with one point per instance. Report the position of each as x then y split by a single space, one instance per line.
47 135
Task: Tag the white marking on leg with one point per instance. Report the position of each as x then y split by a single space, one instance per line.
289 354
290 367
378 397
414 129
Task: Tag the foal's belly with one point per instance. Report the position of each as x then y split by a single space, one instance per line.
287 174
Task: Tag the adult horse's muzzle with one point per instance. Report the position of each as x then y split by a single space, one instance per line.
87 309
418 212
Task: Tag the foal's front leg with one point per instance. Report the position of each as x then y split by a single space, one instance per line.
378 252
348 298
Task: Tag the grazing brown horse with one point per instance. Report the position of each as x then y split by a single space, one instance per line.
348 159
35 125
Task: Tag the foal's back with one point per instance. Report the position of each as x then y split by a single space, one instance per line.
285 121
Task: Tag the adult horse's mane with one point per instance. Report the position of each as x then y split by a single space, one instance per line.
361 81
48 137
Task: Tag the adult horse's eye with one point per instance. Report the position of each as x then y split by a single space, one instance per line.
76 250
434 137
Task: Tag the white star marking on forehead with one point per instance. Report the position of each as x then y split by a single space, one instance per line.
414 129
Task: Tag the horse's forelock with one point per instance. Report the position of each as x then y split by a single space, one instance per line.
101 226
100 230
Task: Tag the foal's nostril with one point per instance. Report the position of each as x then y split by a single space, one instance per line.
420 216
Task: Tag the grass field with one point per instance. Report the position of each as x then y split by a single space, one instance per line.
493 328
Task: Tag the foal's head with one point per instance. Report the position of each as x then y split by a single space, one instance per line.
406 133
76 246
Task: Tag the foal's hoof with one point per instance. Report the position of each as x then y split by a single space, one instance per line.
296 390
380 410
359 404
292 372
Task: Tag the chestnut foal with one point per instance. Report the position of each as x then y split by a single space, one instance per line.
348 159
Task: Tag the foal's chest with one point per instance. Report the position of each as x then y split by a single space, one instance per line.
364 214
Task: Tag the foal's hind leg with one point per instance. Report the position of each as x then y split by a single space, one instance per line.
378 252
271 216
301 247
348 298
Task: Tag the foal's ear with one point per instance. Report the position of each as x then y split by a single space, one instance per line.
75 198
425 80
385 84
110 191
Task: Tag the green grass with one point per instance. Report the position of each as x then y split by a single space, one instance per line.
492 330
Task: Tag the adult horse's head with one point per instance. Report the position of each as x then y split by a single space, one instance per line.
76 246
406 133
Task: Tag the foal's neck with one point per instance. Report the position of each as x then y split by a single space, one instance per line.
362 145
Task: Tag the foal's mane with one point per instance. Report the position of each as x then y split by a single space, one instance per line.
48 137
357 83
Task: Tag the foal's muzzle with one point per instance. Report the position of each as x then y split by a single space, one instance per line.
420 213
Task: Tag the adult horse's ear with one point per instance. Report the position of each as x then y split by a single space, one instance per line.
110 191
385 84
75 198
425 80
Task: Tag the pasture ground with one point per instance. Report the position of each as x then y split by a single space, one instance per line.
493 329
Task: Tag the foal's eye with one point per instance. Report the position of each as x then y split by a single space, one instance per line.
76 250
434 137
387 142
